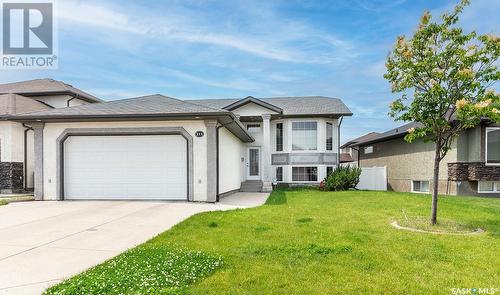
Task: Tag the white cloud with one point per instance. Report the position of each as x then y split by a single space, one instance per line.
268 42
238 84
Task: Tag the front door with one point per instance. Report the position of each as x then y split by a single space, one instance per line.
253 163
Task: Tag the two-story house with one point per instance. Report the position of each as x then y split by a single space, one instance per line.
158 147
16 139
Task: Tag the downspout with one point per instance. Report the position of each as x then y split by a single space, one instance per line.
67 102
25 180
217 197
338 142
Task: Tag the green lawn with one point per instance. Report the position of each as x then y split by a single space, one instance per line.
3 202
312 242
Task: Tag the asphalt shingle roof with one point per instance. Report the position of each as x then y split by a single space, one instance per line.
159 104
306 105
42 86
393 133
146 105
365 137
11 104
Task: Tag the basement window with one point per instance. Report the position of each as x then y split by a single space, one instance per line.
420 186
304 174
279 173
488 187
329 170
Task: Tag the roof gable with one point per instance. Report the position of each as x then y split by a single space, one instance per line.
292 106
240 103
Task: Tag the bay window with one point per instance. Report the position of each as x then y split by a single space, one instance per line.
304 136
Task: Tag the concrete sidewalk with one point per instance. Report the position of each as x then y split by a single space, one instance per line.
42 243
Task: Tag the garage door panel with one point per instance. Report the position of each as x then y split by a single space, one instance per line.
125 167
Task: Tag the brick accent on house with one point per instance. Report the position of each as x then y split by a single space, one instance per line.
11 176
475 171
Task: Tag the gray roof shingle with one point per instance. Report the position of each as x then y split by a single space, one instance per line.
306 105
44 86
11 104
145 105
353 142
391 134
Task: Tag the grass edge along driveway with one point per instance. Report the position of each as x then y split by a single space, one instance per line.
309 242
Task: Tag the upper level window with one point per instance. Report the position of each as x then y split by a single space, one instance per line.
492 146
304 136
329 136
279 137
253 128
368 149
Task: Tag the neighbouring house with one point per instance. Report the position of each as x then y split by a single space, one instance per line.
158 147
16 139
348 154
471 167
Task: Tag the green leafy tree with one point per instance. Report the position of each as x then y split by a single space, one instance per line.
444 78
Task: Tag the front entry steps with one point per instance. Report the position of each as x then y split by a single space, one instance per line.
251 186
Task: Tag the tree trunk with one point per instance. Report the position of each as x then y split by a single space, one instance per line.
435 185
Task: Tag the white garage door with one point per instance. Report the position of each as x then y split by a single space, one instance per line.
125 167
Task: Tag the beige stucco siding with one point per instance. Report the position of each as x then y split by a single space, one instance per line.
53 130
406 162
12 142
252 109
230 164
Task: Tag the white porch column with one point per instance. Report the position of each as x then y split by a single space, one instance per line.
266 154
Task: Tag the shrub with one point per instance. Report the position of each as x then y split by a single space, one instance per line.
342 179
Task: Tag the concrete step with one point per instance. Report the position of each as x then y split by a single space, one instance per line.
251 186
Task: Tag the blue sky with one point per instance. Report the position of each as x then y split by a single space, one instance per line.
218 49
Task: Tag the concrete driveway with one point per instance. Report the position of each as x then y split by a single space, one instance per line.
41 243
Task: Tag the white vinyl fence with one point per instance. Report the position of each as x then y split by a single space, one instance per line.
373 179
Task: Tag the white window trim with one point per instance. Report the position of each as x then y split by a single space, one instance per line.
295 181
486 147
317 137
365 147
496 188
420 192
